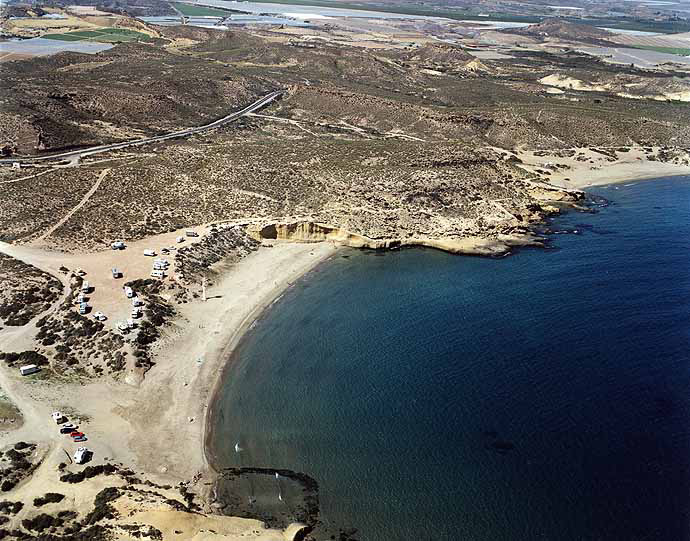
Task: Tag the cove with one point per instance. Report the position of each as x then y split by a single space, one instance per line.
545 395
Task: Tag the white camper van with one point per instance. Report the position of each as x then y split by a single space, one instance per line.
82 455
28 369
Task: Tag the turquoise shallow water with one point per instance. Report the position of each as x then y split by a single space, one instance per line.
541 396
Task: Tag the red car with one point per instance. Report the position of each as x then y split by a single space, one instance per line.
76 434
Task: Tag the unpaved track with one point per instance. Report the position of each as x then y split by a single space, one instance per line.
26 178
75 209
37 425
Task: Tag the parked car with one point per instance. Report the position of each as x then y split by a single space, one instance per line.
58 417
67 430
76 434
80 439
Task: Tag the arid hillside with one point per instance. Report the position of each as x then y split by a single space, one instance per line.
393 145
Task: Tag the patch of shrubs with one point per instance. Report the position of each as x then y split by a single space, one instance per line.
11 508
21 445
88 472
27 303
42 522
8 484
77 533
102 508
49 497
25 357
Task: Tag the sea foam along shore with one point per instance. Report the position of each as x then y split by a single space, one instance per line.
180 394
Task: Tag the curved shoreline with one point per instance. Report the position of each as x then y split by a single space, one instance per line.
226 354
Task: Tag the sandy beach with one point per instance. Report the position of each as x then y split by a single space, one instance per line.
191 359
596 169
155 425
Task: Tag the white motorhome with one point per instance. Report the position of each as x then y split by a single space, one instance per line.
58 417
122 326
157 274
129 292
83 308
135 313
191 233
81 298
150 253
28 369
116 273
136 301
180 239
118 245
82 455
85 287
100 316
131 324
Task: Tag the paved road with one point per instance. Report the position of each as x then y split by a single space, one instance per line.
75 155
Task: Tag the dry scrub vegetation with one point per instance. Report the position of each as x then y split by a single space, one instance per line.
385 144
26 291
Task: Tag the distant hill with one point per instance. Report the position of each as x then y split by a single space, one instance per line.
444 57
565 30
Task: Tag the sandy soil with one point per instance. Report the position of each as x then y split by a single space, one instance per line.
155 426
179 389
596 169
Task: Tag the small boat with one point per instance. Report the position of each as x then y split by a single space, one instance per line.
237 447
277 475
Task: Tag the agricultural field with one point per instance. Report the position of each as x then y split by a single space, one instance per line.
669 50
103 35
200 11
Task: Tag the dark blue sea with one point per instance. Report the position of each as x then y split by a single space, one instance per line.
542 396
